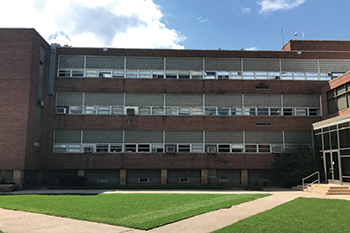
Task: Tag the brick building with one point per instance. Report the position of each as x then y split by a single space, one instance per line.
154 116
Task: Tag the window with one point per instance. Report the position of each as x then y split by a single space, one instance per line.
157 111
314 112
288 111
210 111
131 74
237 148
210 75
301 112
197 111
197 148
115 148
89 110
102 148
60 148
263 111
250 148
77 73
197 75
158 148
224 148
171 110
145 111
171 75
102 110
264 148
143 148
223 111
130 148
118 74
249 111
184 148
275 111
117 110
64 73
184 75
236 111
184 111
75 110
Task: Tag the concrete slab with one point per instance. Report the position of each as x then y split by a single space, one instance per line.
20 222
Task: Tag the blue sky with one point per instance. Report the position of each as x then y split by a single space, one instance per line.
180 24
237 24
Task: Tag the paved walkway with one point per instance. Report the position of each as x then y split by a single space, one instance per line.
18 221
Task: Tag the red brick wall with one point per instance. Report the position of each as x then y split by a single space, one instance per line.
317 45
187 86
204 53
158 161
19 69
330 86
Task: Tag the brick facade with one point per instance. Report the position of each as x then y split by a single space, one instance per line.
19 72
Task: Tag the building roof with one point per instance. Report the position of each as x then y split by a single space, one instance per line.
317 45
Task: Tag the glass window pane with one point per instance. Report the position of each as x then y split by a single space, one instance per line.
210 111
171 111
250 148
344 137
184 148
75 110
157 111
144 110
301 112
224 148
223 111
184 111
117 110
197 111
103 110
263 111
89 110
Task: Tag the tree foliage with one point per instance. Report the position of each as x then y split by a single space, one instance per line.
294 164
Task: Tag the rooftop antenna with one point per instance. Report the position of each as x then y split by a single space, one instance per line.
282 38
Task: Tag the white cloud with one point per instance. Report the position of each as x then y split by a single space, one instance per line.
274 5
252 49
91 23
203 20
246 10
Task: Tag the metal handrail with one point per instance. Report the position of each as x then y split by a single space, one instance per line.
303 180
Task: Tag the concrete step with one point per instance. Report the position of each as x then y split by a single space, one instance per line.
298 187
328 189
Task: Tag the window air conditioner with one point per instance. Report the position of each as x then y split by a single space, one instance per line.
184 180
170 149
131 110
143 180
37 144
40 103
61 111
223 180
87 149
211 149
223 77
277 149
155 76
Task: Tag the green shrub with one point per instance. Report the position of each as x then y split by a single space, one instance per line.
294 164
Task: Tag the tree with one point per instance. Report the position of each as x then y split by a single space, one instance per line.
294 164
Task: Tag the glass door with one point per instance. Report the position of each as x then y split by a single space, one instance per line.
331 164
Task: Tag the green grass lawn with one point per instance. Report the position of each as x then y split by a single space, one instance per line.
142 211
299 215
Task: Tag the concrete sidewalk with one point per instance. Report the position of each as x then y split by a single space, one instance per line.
18 221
